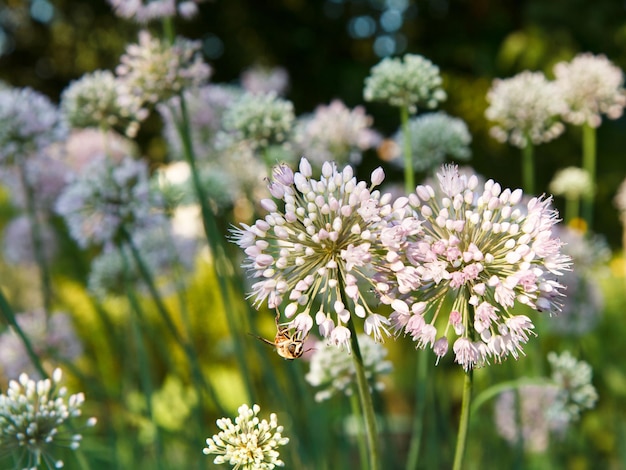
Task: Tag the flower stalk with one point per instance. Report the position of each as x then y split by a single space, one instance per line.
461 441
409 174
589 164
528 167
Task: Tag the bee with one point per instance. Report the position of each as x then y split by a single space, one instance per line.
288 344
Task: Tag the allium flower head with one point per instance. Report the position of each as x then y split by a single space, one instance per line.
94 101
259 79
482 250
526 109
53 339
333 371
434 137
155 70
33 417
317 243
591 85
335 133
249 443
29 122
260 119
144 11
410 82
107 197
571 182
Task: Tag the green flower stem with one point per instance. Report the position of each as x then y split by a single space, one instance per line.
365 397
589 165
36 237
221 263
572 205
418 417
142 358
361 442
167 318
409 174
497 389
461 440
9 316
528 168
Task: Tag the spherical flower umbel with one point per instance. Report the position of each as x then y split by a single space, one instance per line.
481 249
260 119
332 370
434 137
525 109
260 79
335 133
143 11
406 82
155 70
33 417
317 243
249 443
571 182
591 85
29 122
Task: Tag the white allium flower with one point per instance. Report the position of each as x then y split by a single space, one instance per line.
29 122
155 70
94 101
526 109
483 250
335 133
316 243
107 198
52 339
33 417
332 370
410 82
260 119
591 85
434 137
571 182
144 11
249 443
260 79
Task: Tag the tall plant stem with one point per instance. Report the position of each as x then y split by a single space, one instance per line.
361 442
37 241
528 168
9 316
461 439
572 205
418 416
589 165
409 174
365 397
221 263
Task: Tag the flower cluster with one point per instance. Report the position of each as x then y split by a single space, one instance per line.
526 109
335 133
591 86
434 137
33 416
259 79
249 443
571 182
143 11
333 369
53 338
260 120
94 101
107 198
482 250
408 83
29 122
318 243
155 70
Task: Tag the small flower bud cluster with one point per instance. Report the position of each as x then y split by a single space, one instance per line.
408 83
526 109
144 11
591 85
260 120
259 79
249 443
335 133
572 182
333 371
434 137
32 419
